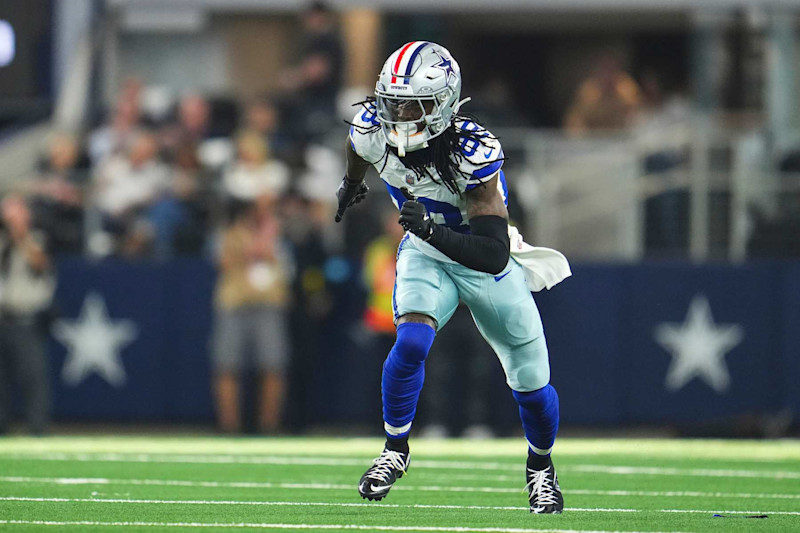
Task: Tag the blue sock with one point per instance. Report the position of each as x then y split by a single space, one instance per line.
403 374
539 413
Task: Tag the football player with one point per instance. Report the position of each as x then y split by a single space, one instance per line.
444 173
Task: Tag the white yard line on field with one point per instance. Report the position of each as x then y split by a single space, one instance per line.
245 525
368 505
267 503
184 458
681 494
245 484
662 471
422 488
455 465
174 483
711 450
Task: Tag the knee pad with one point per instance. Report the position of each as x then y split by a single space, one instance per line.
527 366
528 377
414 341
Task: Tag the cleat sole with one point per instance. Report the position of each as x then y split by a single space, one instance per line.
372 498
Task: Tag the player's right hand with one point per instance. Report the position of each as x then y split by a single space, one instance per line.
349 194
414 217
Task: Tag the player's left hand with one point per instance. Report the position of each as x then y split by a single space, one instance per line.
414 218
349 194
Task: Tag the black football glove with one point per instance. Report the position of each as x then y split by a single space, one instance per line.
348 194
414 217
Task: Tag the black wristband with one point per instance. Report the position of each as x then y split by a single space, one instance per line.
486 250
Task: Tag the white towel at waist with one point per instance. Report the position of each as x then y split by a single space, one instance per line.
544 267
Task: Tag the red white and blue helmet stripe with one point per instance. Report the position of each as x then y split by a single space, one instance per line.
405 60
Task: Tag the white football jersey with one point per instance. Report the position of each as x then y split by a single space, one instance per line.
543 267
481 162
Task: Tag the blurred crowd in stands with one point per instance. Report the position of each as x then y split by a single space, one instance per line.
250 184
140 187
156 181
610 100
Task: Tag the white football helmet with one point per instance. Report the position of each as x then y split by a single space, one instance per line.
417 94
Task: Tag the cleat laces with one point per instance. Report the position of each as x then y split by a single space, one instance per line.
382 466
541 488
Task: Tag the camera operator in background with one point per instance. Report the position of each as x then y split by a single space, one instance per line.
26 291
314 81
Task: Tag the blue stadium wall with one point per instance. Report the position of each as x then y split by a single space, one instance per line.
602 326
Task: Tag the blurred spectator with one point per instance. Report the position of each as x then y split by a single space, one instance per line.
204 126
661 117
125 186
251 300
180 216
57 196
380 260
660 107
254 174
124 126
315 80
607 100
324 167
263 118
192 126
312 301
25 298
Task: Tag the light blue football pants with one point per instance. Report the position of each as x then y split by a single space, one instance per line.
501 305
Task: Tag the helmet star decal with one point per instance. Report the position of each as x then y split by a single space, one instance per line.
445 64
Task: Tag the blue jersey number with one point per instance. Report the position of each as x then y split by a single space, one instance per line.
470 146
369 116
450 213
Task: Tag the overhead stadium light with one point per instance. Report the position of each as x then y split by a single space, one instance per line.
7 46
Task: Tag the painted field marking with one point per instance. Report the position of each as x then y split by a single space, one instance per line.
663 471
245 525
371 505
269 503
681 494
712 450
423 488
457 465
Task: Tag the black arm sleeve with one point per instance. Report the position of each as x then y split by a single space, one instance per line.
486 250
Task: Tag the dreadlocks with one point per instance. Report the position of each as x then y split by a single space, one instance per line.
444 153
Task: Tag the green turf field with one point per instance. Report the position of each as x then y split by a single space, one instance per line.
217 484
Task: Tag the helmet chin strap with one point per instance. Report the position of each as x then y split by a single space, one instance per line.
402 132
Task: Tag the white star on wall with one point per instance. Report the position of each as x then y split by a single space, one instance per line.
698 347
94 343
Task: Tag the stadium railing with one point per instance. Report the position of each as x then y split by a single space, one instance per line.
594 197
